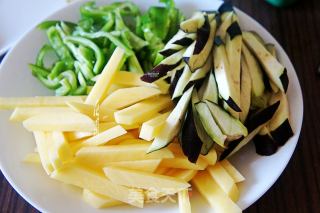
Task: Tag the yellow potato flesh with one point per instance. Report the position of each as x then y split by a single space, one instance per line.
100 89
66 122
87 179
224 180
142 111
144 180
232 171
184 201
125 97
215 196
98 201
40 101
99 156
150 129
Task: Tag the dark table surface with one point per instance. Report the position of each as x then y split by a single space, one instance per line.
298 189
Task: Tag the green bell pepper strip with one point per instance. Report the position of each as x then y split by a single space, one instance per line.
38 71
57 69
100 60
134 41
50 84
71 77
111 37
60 48
134 65
109 23
87 53
90 9
86 24
45 49
66 28
81 79
47 24
78 55
82 90
84 69
159 22
64 89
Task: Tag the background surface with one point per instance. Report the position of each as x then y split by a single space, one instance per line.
297 29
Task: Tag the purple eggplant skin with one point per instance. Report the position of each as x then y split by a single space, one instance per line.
233 105
218 41
232 145
234 30
262 117
184 42
265 145
225 7
175 80
190 142
168 52
282 134
284 80
203 34
158 72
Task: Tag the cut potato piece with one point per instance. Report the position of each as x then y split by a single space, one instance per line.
122 138
210 190
233 172
211 157
66 122
224 180
141 165
134 141
43 147
162 170
100 89
105 136
182 162
99 201
60 152
95 156
86 109
73 136
39 101
184 174
130 79
125 97
32 158
184 201
87 179
144 180
23 113
142 111
151 128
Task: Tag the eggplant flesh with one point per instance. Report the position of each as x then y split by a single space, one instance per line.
203 45
275 71
192 24
208 143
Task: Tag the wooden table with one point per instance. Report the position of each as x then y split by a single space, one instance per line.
298 189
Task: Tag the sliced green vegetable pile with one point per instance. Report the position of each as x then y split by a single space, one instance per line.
81 50
229 87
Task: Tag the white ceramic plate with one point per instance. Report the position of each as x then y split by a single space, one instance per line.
16 17
50 196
